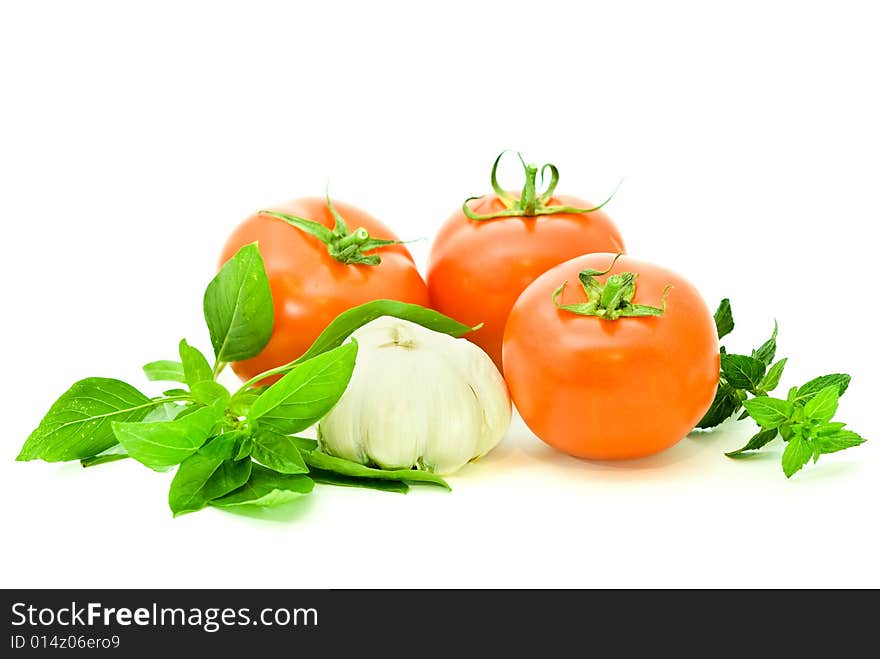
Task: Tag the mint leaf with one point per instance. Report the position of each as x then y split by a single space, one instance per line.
769 412
163 444
823 405
724 319
348 468
348 321
305 394
742 372
724 405
774 373
814 386
838 440
164 370
209 473
278 452
238 307
797 453
767 351
331 478
267 488
761 439
78 423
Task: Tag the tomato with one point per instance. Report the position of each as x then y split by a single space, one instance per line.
478 268
309 286
610 389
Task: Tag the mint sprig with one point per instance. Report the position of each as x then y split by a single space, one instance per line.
804 419
230 449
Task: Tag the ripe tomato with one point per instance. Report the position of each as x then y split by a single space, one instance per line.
478 268
610 389
309 286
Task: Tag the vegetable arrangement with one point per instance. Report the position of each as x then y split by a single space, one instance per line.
329 326
230 448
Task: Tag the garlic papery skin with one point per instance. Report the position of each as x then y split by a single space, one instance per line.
417 398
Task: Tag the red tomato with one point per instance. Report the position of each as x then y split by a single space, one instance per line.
309 286
611 389
478 268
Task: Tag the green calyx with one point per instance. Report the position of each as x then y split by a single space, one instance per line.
530 203
348 247
611 300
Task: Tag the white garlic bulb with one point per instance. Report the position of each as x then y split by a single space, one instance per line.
417 398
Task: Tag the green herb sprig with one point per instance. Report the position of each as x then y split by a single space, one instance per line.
804 419
229 448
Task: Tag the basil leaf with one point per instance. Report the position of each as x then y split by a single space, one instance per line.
164 370
331 478
837 441
724 318
163 444
726 402
348 468
164 412
238 307
78 423
209 392
305 394
797 453
814 386
267 488
209 473
774 373
195 365
823 405
742 372
278 452
348 321
767 351
761 439
769 412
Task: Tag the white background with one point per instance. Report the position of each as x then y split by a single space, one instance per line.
134 137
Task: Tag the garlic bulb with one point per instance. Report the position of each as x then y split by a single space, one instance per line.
417 398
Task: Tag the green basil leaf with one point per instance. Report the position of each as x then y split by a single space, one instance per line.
164 370
344 467
831 442
759 440
266 488
814 386
195 365
823 405
742 372
209 473
278 452
331 478
769 412
164 412
767 351
724 319
163 444
725 404
209 392
78 423
305 394
238 307
797 453
348 321
774 373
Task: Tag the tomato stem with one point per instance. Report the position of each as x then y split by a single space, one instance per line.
530 203
346 247
611 300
